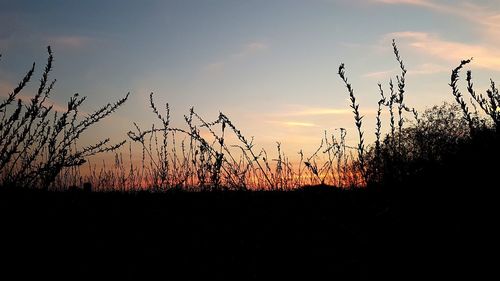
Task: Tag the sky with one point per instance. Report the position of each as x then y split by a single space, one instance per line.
270 65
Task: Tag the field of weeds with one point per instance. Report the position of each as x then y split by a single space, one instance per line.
418 202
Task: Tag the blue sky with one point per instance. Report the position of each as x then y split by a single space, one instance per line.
270 65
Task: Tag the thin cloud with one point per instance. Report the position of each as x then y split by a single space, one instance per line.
299 124
27 99
293 123
422 69
428 68
302 111
423 3
250 49
435 46
6 88
426 4
247 50
379 74
486 19
69 42
321 111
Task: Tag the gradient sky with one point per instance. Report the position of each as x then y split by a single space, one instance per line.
270 65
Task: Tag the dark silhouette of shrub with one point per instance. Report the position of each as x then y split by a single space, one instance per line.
439 134
37 142
438 144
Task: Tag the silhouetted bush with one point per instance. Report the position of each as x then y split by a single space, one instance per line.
444 143
440 133
37 142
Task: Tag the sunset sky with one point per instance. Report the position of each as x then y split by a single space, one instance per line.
270 65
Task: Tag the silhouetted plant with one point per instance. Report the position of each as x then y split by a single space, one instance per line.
458 95
357 121
38 145
439 133
37 142
489 106
207 164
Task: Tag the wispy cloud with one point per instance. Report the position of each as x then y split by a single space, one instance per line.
439 48
423 3
7 87
422 69
69 42
379 74
438 7
428 68
440 52
60 107
27 99
303 111
250 49
486 19
320 111
247 50
299 116
293 123
299 124
307 111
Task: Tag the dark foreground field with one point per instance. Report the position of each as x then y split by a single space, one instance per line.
310 235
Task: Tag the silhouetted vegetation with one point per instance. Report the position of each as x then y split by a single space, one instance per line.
438 139
37 142
416 202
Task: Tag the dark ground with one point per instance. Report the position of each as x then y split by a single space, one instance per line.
309 235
